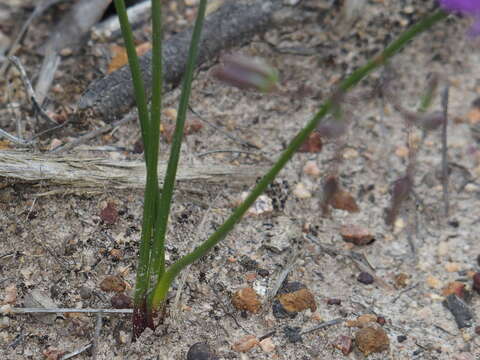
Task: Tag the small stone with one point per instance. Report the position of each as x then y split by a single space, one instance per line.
298 301
443 248
401 338
246 299
381 320
267 345
301 192
372 339
365 278
477 330
109 213
401 280
398 226
471 188
122 337
116 254
263 205
460 310
433 282
248 264
4 322
473 116
343 200
121 301
250 276
54 143
170 113
334 302
350 153
476 282
85 292
454 287
356 234
277 308
245 344
402 151
344 344
313 144
293 334
311 168
201 351
263 272
113 283
66 51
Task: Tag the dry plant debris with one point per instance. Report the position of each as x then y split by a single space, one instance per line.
372 339
246 299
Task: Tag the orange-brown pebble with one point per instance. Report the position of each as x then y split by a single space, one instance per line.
246 299
372 339
245 344
298 301
113 283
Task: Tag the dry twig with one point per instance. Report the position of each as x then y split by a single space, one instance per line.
88 173
233 24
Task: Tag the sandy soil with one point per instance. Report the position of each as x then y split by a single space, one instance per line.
60 245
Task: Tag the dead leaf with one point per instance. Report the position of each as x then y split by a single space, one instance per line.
246 299
245 344
372 339
113 283
342 200
356 234
298 301
109 214
120 58
313 144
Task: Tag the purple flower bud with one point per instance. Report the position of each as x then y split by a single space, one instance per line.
431 121
247 73
332 128
466 7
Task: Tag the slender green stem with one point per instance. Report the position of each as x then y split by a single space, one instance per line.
143 271
164 283
155 113
158 256
428 95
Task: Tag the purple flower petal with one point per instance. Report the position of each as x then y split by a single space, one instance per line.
463 6
475 29
466 7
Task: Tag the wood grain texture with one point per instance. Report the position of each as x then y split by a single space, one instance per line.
233 24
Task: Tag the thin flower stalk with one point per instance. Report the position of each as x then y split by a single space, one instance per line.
143 271
158 257
161 289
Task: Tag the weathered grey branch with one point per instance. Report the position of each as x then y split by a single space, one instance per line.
19 166
233 24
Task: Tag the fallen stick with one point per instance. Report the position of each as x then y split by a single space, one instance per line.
19 166
9 310
233 24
